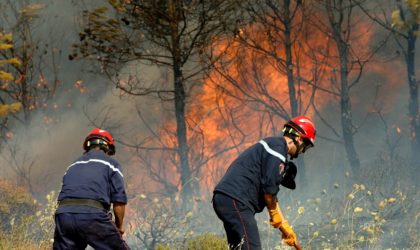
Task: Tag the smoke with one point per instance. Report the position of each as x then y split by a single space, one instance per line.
37 154
58 143
43 150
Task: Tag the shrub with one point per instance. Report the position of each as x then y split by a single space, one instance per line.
25 224
207 242
202 242
15 204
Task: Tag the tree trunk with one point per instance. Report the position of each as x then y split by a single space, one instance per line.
345 104
181 129
289 59
413 102
181 133
336 13
291 80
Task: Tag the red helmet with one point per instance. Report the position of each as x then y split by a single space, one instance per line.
305 126
102 138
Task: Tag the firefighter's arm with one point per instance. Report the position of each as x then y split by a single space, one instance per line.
119 211
276 216
277 220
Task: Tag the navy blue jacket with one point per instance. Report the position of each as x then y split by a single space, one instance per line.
94 176
258 170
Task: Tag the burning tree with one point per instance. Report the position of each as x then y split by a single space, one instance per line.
294 57
169 34
267 65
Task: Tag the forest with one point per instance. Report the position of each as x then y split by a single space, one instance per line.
185 86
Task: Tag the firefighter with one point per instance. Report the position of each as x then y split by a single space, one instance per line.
90 185
252 183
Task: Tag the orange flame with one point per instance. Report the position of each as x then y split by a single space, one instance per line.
230 110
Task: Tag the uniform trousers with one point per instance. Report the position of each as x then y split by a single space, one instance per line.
77 230
239 223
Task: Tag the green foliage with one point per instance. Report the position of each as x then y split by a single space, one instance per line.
207 242
409 18
161 247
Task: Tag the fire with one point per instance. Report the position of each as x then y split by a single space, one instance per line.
247 97
239 99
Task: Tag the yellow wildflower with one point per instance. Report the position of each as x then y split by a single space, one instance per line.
189 215
358 210
301 210
370 230
382 204
392 200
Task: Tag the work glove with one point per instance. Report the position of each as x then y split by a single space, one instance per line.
289 237
275 217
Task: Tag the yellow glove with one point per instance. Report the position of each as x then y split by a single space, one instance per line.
275 217
289 237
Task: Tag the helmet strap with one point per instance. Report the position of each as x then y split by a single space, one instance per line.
299 148
293 134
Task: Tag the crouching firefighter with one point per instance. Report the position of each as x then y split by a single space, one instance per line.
90 185
252 181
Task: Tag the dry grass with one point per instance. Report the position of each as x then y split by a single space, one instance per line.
360 219
26 224
343 216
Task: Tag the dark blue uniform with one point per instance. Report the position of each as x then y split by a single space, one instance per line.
94 176
240 193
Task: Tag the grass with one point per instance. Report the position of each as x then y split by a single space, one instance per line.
26 224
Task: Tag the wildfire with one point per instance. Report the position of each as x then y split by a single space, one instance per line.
246 97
